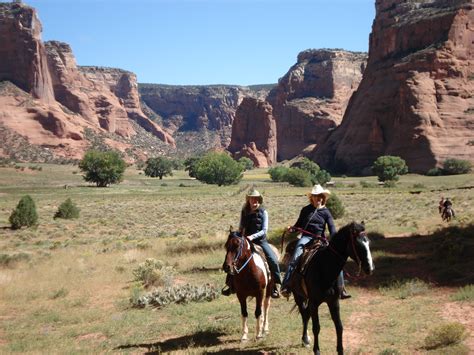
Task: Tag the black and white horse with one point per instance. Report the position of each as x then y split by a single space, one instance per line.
320 279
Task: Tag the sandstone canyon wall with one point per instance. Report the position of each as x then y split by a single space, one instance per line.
416 96
254 133
51 103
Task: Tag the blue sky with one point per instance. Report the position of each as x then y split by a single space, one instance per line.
201 42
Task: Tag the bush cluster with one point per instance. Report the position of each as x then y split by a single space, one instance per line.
452 167
302 173
24 215
445 335
153 272
387 168
334 204
67 210
178 294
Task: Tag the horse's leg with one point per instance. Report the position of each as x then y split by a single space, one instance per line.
266 308
316 326
336 318
245 315
304 311
258 315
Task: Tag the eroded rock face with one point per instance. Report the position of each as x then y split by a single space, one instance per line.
416 97
50 102
311 97
22 53
198 116
254 133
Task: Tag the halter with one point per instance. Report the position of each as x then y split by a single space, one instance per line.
239 253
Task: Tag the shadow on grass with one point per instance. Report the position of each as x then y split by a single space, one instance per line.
199 339
443 258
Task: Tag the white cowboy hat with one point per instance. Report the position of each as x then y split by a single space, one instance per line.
319 190
255 193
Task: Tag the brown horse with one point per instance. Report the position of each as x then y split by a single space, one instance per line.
250 279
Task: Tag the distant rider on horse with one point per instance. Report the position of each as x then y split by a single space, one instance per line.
254 226
447 204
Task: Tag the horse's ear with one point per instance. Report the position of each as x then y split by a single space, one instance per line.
363 223
230 229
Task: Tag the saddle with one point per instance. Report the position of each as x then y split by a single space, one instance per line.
297 278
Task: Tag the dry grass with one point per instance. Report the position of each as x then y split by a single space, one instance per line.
71 293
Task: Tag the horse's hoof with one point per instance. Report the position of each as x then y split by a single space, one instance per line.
306 342
244 339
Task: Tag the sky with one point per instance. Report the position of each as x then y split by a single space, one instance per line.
204 42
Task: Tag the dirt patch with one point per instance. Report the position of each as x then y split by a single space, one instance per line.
92 336
462 312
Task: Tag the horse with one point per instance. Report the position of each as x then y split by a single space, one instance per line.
250 279
447 214
320 279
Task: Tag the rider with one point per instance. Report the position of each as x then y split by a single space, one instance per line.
448 204
441 205
312 221
254 226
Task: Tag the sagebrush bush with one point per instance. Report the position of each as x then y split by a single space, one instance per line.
153 272
278 173
403 289
465 293
456 166
178 294
67 210
24 214
334 204
445 335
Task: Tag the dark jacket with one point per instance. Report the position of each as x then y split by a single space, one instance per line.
254 222
315 220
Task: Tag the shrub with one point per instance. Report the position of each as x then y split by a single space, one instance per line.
298 177
246 163
278 173
403 289
67 210
153 272
387 168
444 335
317 175
159 167
334 204
190 165
434 172
390 184
24 214
465 293
456 167
102 168
178 294
219 169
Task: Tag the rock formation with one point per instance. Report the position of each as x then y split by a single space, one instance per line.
254 133
416 96
200 117
50 102
311 97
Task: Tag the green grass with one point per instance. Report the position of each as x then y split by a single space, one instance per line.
65 286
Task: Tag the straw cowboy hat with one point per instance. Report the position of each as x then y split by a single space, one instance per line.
319 190
255 193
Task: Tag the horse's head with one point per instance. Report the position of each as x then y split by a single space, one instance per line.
236 247
358 248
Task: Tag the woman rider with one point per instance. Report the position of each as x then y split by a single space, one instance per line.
254 226
312 220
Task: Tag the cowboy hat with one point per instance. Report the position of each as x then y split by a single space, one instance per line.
255 193
319 190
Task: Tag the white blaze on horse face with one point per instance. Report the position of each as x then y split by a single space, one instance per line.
365 243
261 265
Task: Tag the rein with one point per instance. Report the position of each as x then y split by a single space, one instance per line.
239 254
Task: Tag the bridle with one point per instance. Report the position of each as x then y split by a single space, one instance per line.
243 241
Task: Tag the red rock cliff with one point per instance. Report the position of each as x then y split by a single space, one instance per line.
416 96
22 53
311 97
254 133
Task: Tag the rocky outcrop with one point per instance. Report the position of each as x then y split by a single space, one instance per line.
416 97
186 110
22 53
254 133
311 97
51 102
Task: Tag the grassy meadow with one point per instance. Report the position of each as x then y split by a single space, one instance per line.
66 285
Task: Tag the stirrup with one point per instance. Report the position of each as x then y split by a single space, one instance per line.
285 292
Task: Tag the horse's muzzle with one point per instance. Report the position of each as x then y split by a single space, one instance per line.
368 269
